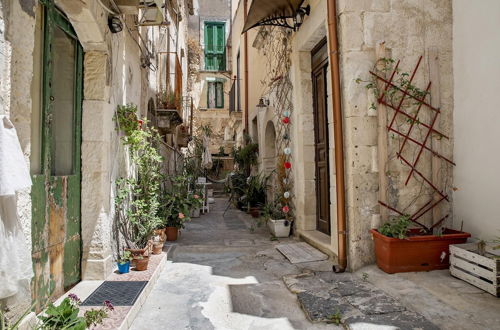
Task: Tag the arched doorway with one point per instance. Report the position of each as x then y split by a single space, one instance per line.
269 159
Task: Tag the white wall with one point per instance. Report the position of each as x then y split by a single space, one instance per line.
476 65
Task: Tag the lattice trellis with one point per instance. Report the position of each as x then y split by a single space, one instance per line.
429 129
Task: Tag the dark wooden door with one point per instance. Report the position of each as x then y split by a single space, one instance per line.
320 101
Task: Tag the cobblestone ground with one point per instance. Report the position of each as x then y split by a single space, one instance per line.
225 273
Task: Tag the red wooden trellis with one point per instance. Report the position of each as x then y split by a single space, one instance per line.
422 145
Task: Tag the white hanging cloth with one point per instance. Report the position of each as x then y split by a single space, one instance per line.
206 158
15 260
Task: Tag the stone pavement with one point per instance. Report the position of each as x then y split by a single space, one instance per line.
225 273
352 301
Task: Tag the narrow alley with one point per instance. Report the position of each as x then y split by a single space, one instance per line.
225 273
249 164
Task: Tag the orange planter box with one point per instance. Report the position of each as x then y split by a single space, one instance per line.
417 252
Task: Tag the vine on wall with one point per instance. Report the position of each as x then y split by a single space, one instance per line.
278 86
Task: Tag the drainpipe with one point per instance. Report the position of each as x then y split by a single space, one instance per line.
339 137
245 45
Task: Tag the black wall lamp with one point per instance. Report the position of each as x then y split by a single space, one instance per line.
115 24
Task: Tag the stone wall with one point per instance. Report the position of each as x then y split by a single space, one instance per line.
408 28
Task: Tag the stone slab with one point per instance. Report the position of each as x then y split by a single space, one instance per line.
301 252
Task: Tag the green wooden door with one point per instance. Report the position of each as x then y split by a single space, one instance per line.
56 226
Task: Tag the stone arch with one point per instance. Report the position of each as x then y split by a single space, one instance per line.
270 141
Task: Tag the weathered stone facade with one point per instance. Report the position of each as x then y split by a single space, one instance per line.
113 73
408 29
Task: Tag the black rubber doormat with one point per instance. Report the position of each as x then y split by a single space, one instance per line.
120 293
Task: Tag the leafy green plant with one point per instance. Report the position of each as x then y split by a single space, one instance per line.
274 210
137 198
64 316
177 203
125 257
246 156
94 317
397 228
255 194
126 118
167 100
335 318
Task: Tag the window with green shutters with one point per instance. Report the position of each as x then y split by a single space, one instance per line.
215 46
215 95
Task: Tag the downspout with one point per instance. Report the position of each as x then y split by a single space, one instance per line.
245 45
339 137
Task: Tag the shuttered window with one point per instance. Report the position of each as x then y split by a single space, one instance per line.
215 46
215 94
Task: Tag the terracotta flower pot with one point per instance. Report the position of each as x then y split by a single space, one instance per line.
254 212
415 253
157 248
141 264
172 233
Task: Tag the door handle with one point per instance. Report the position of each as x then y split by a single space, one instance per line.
52 98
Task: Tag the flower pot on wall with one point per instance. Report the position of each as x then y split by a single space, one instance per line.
123 268
279 228
415 253
172 233
141 264
157 248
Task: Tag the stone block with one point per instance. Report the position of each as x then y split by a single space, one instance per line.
363 5
96 76
361 131
96 156
351 31
355 64
375 27
361 159
97 122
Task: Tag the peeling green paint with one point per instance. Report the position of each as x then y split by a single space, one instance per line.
56 224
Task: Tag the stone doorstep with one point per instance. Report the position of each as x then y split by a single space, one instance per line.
125 314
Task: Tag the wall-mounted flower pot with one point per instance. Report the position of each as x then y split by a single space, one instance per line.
123 268
172 233
157 248
141 264
279 228
417 252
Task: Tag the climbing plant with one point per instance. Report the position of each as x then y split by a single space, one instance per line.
276 49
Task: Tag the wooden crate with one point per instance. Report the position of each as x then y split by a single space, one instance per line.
480 271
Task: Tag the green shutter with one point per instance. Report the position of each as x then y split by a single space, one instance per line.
215 46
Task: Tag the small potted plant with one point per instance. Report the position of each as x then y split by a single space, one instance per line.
196 202
124 262
141 262
277 221
401 248
158 244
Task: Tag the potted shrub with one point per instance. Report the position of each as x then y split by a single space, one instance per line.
124 262
176 207
256 194
400 248
277 221
137 198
